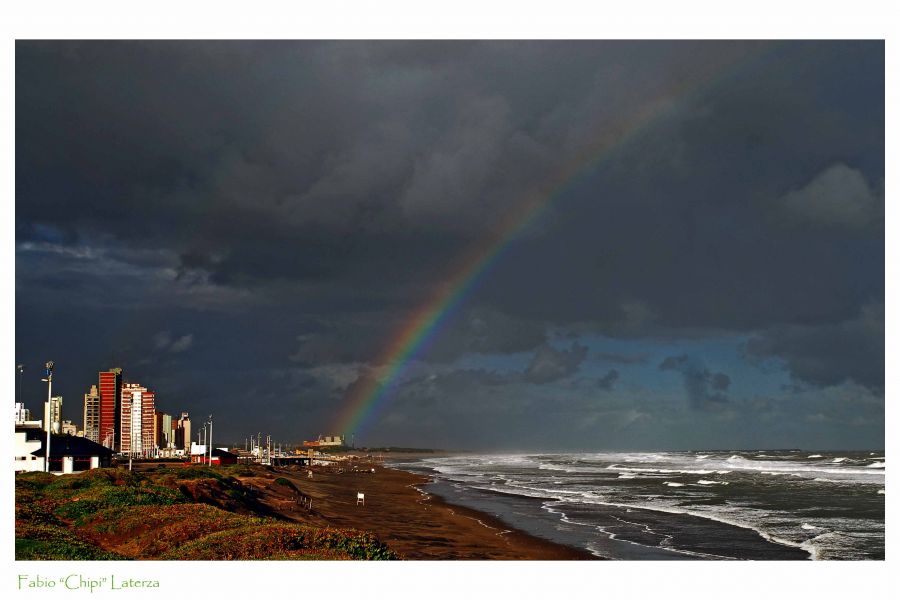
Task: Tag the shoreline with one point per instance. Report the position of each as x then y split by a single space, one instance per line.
419 525
422 518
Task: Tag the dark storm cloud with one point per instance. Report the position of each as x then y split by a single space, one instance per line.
700 191
288 206
163 341
258 156
705 390
547 365
550 364
720 382
479 330
486 409
829 354
625 359
609 380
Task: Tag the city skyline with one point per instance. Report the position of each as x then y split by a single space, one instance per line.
484 245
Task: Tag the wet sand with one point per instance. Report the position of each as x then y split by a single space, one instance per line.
419 526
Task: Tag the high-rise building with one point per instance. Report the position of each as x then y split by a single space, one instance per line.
92 415
68 428
22 413
148 423
164 438
53 414
110 408
183 433
158 428
126 434
138 420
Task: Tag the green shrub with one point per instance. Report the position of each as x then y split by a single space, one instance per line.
43 542
286 483
99 498
266 541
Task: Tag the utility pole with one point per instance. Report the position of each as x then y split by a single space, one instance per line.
49 372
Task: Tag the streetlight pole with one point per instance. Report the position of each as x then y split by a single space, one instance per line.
210 439
20 368
49 380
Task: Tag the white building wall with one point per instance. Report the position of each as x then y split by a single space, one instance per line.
53 413
136 445
198 449
22 413
22 449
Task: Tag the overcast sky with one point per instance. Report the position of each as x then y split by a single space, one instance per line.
243 227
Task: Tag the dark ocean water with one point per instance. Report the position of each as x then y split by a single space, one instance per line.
766 505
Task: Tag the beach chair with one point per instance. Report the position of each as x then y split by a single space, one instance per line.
360 498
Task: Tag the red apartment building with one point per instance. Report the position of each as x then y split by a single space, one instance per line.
110 403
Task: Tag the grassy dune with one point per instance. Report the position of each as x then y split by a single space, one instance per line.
191 513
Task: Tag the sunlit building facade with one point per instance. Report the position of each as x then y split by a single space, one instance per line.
92 415
110 408
138 420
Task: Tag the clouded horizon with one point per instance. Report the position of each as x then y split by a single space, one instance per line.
244 227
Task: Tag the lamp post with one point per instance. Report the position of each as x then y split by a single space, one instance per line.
210 440
49 379
20 368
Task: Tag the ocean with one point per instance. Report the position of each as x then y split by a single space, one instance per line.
761 505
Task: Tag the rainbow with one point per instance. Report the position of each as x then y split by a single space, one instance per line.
370 393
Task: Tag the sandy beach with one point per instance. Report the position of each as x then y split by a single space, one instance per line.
419 526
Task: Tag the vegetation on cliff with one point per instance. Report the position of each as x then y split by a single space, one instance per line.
184 513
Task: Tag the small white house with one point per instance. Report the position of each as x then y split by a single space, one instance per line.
68 454
28 440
